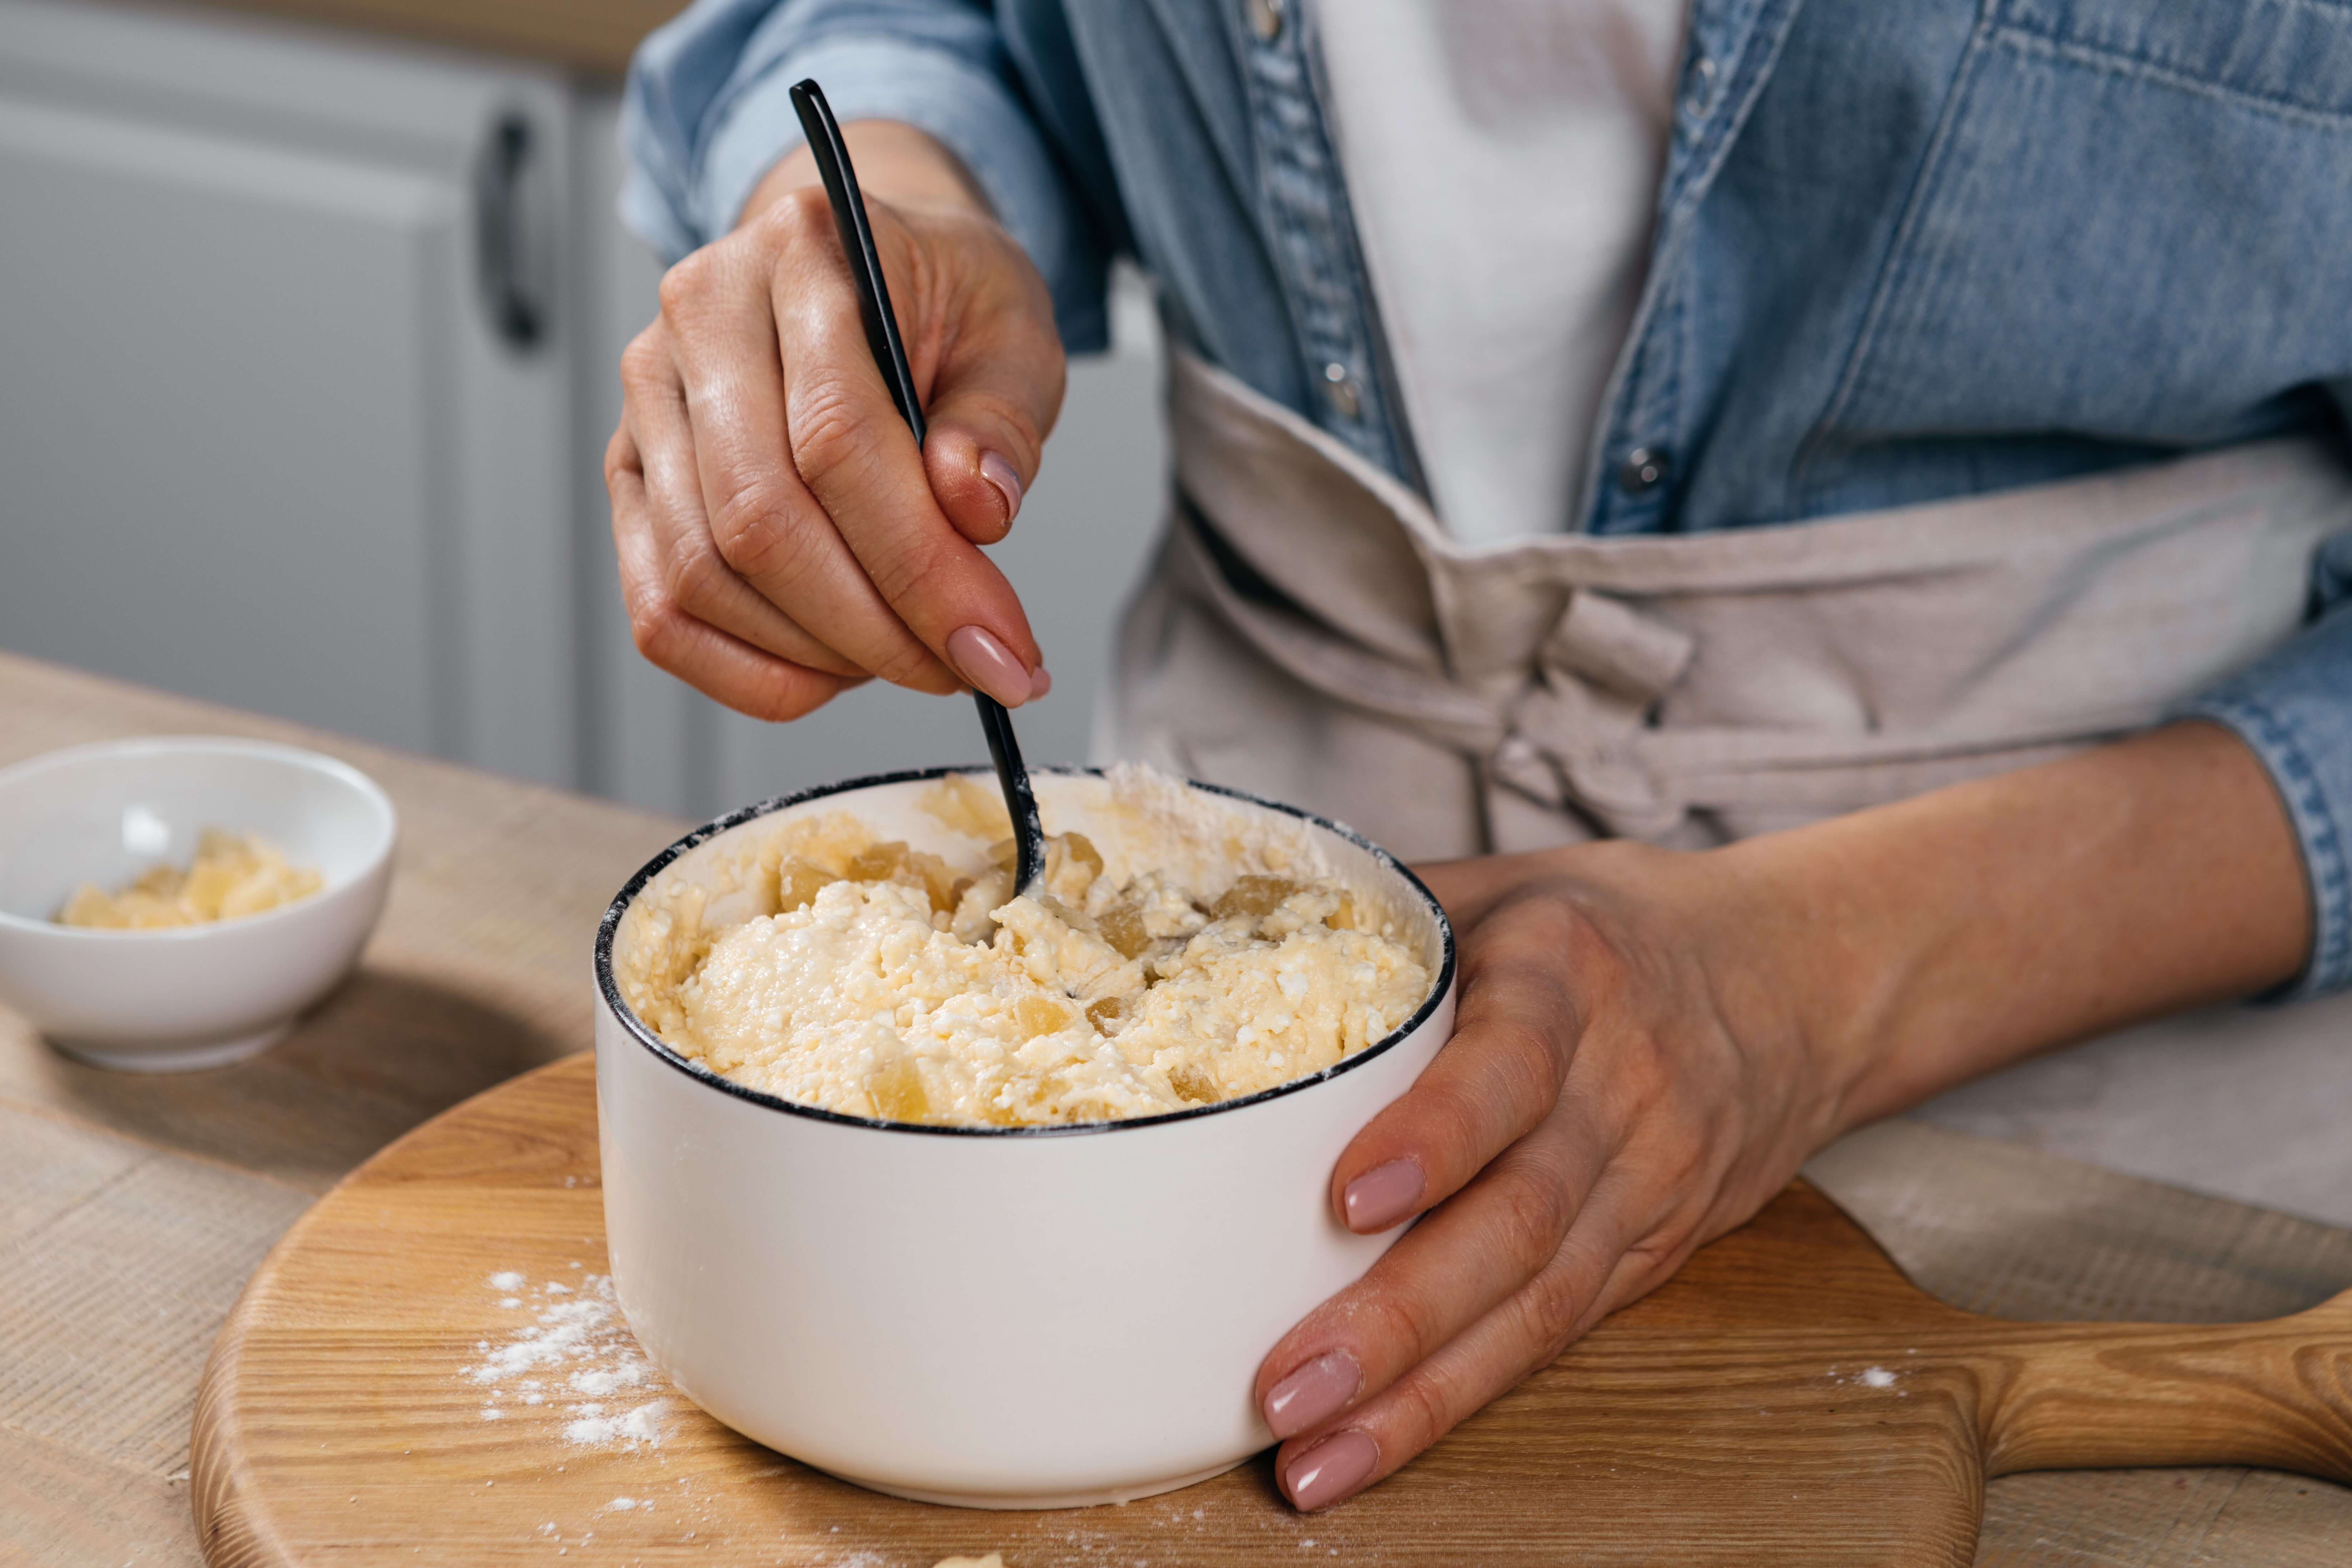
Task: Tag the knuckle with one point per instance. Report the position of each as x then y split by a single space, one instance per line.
751 527
1554 1305
645 359
653 624
1532 1214
795 695
831 441
904 663
1423 1410
620 457
900 571
687 280
1529 1050
801 214
695 578
1643 1077
1397 1318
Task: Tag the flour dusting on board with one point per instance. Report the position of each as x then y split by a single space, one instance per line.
1868 1377
573 1359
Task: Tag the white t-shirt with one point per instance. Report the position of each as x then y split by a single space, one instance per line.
1503 158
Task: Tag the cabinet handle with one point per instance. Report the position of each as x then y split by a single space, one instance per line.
502 224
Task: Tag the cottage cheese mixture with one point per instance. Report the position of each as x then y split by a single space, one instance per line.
1200 954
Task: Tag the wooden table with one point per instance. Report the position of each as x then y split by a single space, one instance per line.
132 1208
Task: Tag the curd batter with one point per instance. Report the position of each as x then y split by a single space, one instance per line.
879 981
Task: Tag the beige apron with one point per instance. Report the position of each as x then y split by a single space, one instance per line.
1310 632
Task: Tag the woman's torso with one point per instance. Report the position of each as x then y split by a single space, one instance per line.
1903 252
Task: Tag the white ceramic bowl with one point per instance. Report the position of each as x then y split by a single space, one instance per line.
160 1001
997 1318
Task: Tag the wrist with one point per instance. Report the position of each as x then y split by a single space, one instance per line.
1929 941
895 162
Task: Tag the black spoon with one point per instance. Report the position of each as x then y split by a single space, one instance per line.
890 355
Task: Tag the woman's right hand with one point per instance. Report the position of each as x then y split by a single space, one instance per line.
781 536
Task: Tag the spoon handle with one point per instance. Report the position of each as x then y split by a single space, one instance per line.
840 177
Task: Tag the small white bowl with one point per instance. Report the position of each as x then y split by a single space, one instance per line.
989 1317
197 996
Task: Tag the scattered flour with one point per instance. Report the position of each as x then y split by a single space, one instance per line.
577 1340
1868 1377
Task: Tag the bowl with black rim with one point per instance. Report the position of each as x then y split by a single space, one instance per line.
1038 1315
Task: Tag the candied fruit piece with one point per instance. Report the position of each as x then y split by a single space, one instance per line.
1080 847
90 907
1194 1085
797 882
1105 1011
1122 926
1254 896
910 867
1344 917
897 1090
878 863
1035 1015
159 881
940 882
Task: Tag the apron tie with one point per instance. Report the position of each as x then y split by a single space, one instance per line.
1598 674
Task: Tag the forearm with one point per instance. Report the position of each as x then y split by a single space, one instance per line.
895 162
1926 943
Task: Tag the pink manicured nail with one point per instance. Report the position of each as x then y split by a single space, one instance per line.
1383 1195
1331 1470
1040 683
988 664
1001 474
1315 1392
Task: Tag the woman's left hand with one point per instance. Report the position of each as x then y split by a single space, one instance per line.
1648 1043
1621 1088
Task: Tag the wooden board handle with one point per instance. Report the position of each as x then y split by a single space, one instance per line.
2275 1395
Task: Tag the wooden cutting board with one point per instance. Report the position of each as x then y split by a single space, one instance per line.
1789 1398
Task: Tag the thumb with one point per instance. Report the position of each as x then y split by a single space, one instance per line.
987 419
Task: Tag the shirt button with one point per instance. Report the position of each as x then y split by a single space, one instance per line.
1644 470
1701 96
1340 388
1266 19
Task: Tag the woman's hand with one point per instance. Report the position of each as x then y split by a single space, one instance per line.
1619 1089
781 536
1648 1043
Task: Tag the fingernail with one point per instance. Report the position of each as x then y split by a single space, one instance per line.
1383 1195
1002 474
1331 1470
1315 1392
988 664
1040 683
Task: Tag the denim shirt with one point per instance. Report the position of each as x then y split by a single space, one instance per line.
1904 251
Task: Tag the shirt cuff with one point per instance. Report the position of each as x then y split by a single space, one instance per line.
966 108
2295 710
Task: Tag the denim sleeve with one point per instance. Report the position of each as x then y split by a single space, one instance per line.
706 112
2295 709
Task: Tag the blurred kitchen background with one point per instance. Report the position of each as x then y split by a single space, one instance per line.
309 315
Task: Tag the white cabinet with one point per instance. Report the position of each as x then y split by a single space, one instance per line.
286 397
269 434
